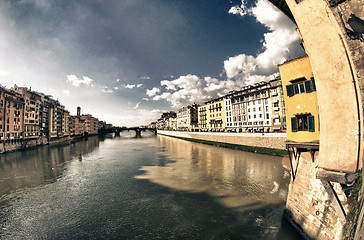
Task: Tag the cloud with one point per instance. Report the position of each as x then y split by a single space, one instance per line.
279 44
130 86
144 77
75 81
106 89
137 105
157 111
4 73
192 89
145 99
153 91
66 92
239 10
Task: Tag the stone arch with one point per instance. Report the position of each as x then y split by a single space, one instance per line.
335 49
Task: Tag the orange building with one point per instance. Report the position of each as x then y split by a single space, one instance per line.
31 111
11 115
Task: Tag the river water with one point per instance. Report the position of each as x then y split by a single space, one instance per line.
152 187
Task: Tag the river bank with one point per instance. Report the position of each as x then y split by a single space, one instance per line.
25 144
266 143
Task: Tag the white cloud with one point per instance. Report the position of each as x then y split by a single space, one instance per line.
115 88
118 80
4 73
106 89
137 105
145 99
242 69
157 111
130 86
153 91
145 77
139 85
278 44
75 81
239 10
66 92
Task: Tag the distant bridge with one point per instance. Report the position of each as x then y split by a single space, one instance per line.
137 130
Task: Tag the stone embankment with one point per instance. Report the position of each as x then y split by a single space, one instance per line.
259 140
18 145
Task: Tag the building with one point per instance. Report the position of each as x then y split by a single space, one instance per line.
202 118
32 124
11 115
215 115
300 100
256 108
187 118
45 114
167 121
62 120
90 124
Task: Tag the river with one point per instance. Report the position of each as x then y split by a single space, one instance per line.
153 187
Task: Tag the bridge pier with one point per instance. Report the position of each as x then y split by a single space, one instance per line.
138 132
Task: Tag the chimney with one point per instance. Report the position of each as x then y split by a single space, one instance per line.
78 111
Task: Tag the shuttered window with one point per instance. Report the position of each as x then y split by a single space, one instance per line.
308 86
311 124
313 84
289 90
294 124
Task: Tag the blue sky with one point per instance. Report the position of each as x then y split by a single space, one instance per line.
127 61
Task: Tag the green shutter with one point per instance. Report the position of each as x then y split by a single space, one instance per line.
308 86
289 90
311 124
294 124
313 84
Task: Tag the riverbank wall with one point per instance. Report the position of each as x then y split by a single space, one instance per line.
257 140
24 144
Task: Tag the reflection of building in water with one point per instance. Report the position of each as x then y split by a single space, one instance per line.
41 165
225 167
84 146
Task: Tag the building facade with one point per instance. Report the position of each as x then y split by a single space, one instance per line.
187 118
257 108
11 115
215 114
300 100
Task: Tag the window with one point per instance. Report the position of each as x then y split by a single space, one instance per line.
303 123
290 92
308 86
302 87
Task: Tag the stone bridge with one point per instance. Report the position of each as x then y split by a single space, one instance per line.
138 130
332 36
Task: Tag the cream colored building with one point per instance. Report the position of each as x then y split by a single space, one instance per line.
187 118
255 108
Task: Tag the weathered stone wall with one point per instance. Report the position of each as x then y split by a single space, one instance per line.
9 146
269 140
309 204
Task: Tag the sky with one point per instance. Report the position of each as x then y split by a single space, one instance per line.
128 61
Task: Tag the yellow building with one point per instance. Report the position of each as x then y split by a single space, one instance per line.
215 115
300 97
202 117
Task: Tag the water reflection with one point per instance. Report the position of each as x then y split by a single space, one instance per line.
239 180
35 167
